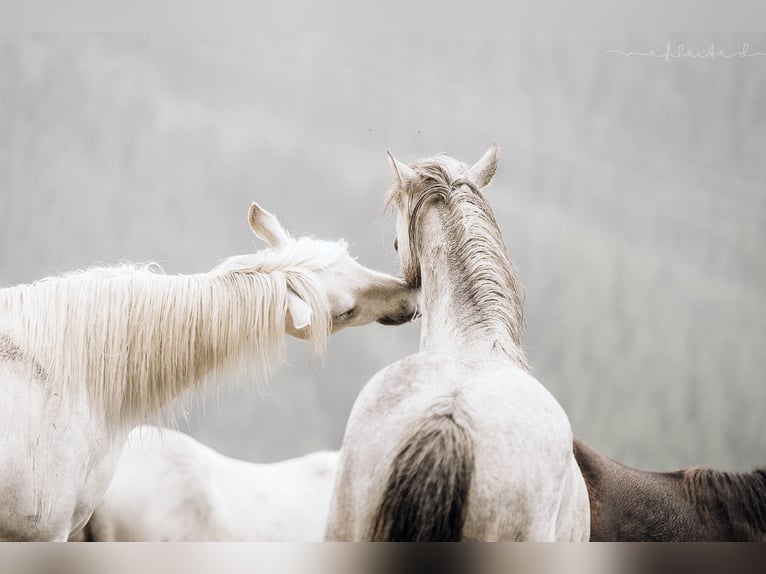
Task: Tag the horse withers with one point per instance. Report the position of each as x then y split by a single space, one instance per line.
459 441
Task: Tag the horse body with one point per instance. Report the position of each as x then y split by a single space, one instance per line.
459 441
170 487
86 356
691 505
521 502
77 384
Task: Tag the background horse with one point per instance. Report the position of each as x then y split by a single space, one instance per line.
170 487
86 356
458 441
694 504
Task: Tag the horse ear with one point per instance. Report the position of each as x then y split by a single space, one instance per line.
484 170
403 172
267 227
300 312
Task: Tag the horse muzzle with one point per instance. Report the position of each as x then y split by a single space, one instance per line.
399 319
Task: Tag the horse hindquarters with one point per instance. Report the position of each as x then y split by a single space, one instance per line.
573 520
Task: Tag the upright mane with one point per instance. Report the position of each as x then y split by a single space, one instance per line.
476 246
735 500
138 338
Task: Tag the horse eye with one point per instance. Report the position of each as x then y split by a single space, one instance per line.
347 315
396 244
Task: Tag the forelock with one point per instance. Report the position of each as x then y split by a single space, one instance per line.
439 170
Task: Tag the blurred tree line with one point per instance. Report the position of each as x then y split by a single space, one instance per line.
631 195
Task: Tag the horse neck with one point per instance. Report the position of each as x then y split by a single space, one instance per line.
136 340
470 298
214 327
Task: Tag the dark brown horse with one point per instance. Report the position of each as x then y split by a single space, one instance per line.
694 504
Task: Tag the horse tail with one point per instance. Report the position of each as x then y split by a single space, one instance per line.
85 535
426 495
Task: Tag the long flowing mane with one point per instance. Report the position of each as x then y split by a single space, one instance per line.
137 338
476 248
736 501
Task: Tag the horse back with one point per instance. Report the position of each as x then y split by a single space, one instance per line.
630 505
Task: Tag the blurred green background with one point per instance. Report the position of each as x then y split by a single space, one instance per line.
631 194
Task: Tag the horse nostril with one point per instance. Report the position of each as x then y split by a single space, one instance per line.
396 244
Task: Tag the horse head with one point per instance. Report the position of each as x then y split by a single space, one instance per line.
413 187
356 294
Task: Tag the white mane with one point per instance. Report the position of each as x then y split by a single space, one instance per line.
137 338
489 289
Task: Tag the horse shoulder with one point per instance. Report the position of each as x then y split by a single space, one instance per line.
50 486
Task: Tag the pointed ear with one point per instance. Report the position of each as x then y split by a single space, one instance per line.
300 312
267 227
484 170
403 172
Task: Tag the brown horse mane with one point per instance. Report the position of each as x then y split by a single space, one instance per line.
736 500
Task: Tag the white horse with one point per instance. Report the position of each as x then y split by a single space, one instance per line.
457 442
170 487
87 356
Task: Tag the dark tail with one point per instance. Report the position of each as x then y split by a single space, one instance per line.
426 496
85 535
